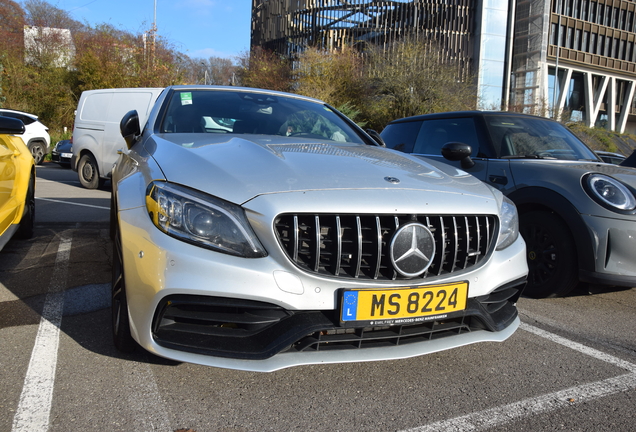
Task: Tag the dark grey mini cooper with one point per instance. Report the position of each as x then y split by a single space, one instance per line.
577 214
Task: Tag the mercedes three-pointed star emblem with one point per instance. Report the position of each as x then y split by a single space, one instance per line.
412 249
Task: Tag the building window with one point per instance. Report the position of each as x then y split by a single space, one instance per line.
621 49
553 29
615 17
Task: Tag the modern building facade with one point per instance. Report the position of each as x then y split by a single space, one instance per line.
515 48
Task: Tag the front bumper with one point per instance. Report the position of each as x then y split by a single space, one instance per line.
174 290
614 242
61 158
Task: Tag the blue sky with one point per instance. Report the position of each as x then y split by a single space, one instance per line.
198 28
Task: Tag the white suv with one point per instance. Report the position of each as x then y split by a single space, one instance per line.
36 135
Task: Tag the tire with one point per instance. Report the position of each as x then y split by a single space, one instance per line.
113 218
551 254
25 231
122 338
88 172
38 150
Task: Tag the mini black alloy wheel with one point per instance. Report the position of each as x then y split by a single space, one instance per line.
551 254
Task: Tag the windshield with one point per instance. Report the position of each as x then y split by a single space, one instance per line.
528 137
244 112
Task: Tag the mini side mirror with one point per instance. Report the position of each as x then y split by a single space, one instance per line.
454 151
129 127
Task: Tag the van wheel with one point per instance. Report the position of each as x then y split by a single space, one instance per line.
38 150
88 173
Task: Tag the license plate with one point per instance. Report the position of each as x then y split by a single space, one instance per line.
399 305
67 155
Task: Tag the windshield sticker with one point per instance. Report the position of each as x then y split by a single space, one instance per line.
186 98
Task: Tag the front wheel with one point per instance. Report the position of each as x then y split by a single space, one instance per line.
88 173
122 338
25 230
551 254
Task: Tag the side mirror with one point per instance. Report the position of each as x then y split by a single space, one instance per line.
129 127
9 125
376 137
454 151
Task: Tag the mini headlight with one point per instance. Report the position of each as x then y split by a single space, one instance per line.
509 220
202 219
610 192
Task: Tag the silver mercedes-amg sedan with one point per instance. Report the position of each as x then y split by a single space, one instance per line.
259 230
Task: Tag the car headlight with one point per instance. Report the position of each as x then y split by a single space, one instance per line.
610 193
201 219
509 224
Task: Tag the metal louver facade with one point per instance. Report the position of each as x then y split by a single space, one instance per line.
288 26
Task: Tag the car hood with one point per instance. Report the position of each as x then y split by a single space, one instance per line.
238 169
525 170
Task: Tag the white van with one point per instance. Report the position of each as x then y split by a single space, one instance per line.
96 135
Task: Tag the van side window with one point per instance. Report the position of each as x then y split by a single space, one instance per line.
435 133
401 136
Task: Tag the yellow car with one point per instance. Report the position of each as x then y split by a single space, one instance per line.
17 183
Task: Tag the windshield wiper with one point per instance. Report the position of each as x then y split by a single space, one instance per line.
533 156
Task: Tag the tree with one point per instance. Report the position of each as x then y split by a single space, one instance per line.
335 77
11 25
265 69
410 78
40 13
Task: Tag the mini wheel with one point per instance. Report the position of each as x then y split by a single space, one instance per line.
551 253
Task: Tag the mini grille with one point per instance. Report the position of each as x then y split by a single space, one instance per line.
357 246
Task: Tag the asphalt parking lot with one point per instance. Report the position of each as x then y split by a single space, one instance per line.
570 366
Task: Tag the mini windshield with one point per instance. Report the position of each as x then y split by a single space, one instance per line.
535 138
245 112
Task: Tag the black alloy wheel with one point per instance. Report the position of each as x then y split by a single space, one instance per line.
25 231
122 338
551 254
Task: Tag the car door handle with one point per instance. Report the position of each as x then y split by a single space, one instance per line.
498 180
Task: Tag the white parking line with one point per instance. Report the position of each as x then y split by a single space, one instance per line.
144 398
73 203
550 402
600 355
32 414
